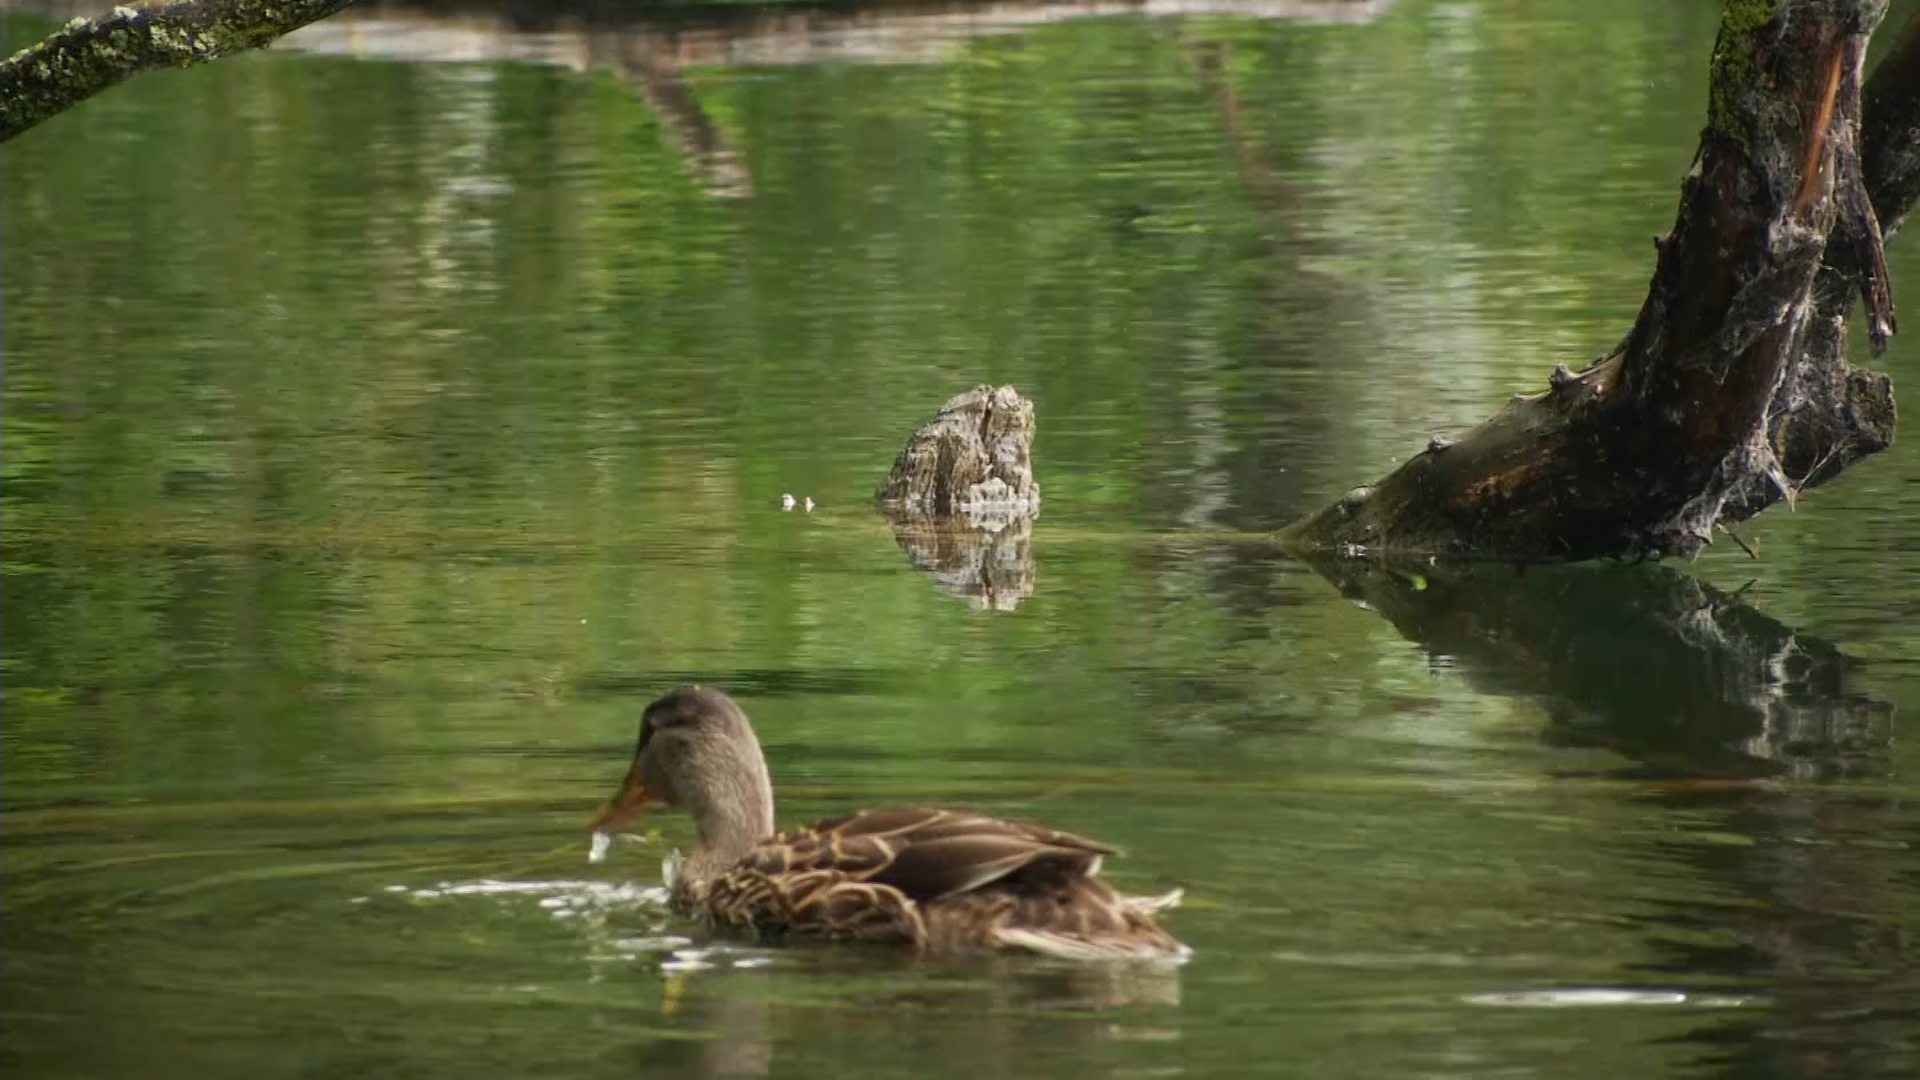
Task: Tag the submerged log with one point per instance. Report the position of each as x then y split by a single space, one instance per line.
973 458
1731 391
89 55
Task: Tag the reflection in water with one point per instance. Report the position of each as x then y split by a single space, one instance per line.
1816 916
998 1016
1258 484
1648 661
744 35
380 436
1273 198
727 1024
1696 686
645 60
986 560
652 48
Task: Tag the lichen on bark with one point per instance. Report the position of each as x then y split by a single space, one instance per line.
973 458
87 56
1732 66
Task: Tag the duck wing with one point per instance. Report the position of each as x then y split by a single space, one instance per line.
926 853
948 880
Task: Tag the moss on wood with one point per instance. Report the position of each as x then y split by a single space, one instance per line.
87 56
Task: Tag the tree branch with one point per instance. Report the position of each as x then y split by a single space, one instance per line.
89 55
1890 129
1828 414
1731 390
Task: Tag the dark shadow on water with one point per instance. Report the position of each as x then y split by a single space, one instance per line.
1683 679
1731 717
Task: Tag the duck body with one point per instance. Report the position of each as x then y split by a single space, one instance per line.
941 881
936 880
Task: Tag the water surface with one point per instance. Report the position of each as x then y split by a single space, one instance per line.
383 431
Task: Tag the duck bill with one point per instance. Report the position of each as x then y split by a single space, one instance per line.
625 806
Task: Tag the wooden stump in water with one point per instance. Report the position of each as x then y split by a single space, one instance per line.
971 459
961 497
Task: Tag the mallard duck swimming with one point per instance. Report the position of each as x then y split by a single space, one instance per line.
937 880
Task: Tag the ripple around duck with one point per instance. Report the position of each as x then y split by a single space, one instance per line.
326 900
605 913
574 897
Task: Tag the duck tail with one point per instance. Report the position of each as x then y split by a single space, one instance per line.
1079 949
1149 905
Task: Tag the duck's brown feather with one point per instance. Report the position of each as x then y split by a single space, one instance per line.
945 880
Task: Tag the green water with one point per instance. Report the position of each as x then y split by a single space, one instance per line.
380 435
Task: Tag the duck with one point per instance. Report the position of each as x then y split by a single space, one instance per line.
930 879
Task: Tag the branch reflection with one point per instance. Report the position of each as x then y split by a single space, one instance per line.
1653 663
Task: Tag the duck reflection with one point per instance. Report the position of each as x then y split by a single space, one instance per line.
860 1009
723 1027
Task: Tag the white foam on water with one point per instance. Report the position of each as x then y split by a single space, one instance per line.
590 902
663 943
1586 997
563 898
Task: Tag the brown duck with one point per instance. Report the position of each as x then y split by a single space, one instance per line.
936 880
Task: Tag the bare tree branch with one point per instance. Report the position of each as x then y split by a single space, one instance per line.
89 55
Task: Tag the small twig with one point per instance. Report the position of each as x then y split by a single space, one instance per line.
1752 552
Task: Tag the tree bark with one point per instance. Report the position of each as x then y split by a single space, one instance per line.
89 55
973 459
1731 391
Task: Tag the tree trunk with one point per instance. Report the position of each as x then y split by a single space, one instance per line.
89 55
1731 391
